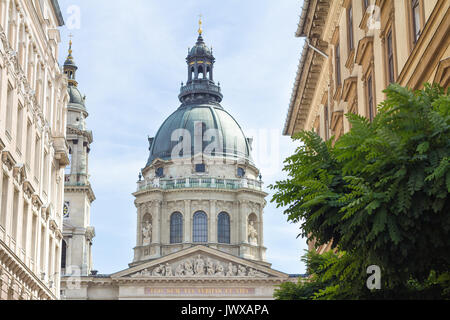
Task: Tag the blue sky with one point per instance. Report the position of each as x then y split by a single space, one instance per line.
131 58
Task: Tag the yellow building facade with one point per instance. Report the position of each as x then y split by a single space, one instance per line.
33 149
354 49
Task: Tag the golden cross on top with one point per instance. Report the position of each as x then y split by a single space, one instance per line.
70 44
200 31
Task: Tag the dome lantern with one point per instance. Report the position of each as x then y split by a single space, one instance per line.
200 83
70 68
76 99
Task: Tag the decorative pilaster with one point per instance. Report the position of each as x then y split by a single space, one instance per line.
212 221
157 222
243 206
187 221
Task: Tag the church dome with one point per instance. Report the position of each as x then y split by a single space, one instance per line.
200 49
75 97
230 135
219 134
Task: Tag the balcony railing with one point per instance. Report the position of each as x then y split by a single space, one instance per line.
208 183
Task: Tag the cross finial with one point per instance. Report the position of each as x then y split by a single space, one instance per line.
200 31
70 44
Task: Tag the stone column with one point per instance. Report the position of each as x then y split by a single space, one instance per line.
157 225
69 256
9 206
157 222
19 229
2 281
27 246
43 254
84 266
90 255
243 220
187 221
3 96
140 208
164 224
235 231
51 258
261 225
1 190
212 221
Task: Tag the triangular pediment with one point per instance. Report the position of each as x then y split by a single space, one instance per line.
200 261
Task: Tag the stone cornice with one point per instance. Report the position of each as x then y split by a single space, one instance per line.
84 133
8 159
116 282
82 189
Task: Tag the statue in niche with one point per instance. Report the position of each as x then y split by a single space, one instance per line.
210 269
168 270
252 234
147 232
219 270
242 271
199 266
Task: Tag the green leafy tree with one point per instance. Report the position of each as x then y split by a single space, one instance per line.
380 194
306 289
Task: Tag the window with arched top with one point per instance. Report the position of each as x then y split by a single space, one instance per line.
63 254
223 228
200 72
200 227
176 227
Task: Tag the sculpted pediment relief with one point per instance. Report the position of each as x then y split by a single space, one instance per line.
199 262
199 266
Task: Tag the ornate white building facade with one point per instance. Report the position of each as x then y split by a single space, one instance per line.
199 206
33 96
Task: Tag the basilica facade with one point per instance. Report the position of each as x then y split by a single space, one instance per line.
200 206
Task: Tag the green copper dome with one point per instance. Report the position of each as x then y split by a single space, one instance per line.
75 97
230 137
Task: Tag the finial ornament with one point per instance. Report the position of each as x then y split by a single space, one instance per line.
200 30
70 44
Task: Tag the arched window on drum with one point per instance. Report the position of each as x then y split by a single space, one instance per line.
200 227
223 228
176 227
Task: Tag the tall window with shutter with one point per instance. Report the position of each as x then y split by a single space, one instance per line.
390 57
415 13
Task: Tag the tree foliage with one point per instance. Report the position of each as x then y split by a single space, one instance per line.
381 193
